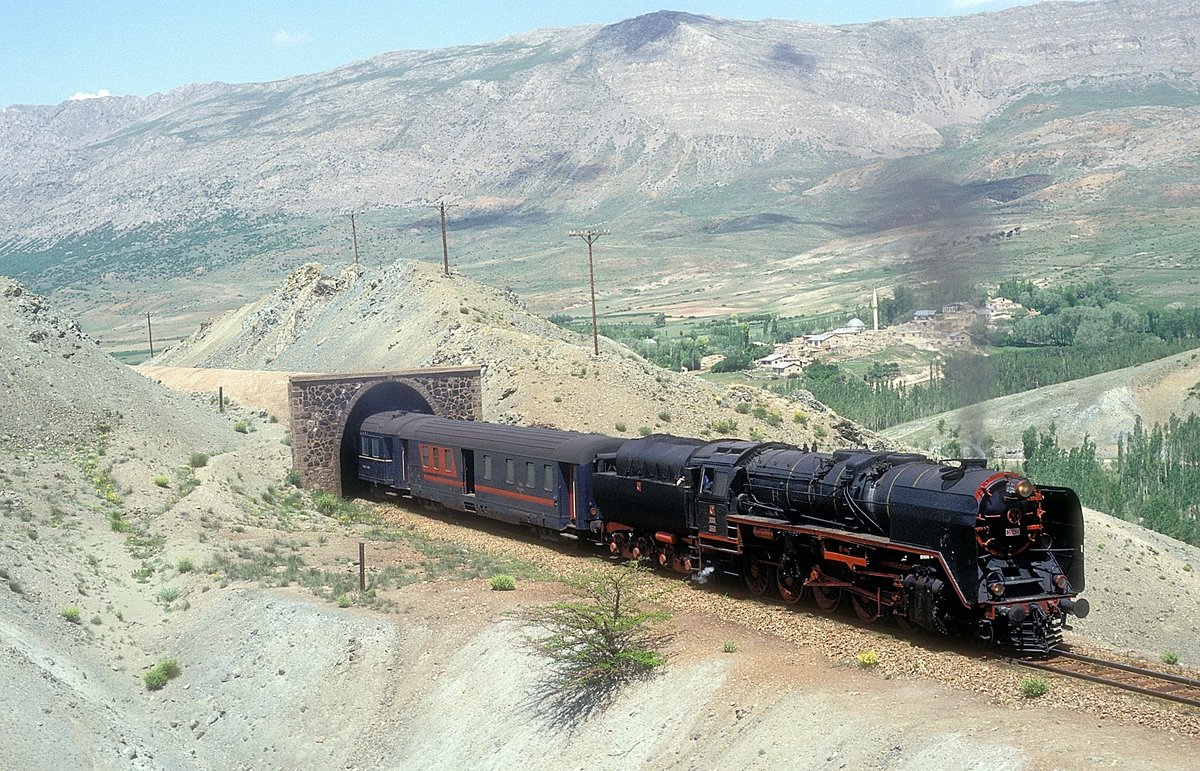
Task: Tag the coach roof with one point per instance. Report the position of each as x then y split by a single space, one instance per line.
541 443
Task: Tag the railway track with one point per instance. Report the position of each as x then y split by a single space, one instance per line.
1149 682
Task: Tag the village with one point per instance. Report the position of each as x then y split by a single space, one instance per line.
934 332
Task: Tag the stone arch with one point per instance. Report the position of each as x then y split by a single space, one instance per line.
380 396
327 410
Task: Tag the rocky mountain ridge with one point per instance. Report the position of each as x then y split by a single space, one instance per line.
561 120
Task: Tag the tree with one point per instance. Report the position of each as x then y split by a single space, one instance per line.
600 640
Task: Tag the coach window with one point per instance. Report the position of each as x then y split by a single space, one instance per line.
425 462
530 476
487 466
366 444
509 474
549 478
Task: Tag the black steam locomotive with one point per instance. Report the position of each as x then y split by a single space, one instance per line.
954 548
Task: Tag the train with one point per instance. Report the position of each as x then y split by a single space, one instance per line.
952 546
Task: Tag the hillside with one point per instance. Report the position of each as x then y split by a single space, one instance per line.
411 315
1102 408
740 165
226 570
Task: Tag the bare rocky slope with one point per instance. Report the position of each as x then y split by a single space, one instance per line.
224 569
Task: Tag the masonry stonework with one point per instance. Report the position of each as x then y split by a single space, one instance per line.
321 406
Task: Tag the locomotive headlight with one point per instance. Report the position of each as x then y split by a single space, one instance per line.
1024 488
997 589
1060 581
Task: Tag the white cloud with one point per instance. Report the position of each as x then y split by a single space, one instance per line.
79 96
284 39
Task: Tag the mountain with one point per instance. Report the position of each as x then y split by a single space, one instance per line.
717 151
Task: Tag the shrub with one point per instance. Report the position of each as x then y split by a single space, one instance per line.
71 613
620 427
868 659
729 646
799 418
158 675
343 600
742 408
1170 657
198 460
602 638
724 426
557 399
644 430
664 416
502 582
1034 687
162 481
242 427
292 477
186 565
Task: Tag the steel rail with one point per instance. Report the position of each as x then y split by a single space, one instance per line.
1146 673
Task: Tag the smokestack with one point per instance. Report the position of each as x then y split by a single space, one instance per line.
875 307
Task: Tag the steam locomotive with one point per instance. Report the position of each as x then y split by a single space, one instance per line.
950 547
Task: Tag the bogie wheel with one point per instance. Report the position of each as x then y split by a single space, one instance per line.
828 598
865 609
791 588
758 577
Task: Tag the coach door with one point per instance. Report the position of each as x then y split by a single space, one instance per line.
468 467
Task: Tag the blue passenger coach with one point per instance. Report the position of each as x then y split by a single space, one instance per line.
530 476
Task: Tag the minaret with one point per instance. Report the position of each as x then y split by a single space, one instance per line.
875 307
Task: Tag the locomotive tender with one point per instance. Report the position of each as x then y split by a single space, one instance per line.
954 548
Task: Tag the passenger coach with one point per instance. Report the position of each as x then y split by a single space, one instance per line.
529 476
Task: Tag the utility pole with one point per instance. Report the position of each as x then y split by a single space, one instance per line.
354 235
441 207
150 334
591 236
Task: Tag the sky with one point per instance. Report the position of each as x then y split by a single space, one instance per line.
54 50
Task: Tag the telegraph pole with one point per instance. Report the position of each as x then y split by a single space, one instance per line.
441 207
591 236
354 235
150 334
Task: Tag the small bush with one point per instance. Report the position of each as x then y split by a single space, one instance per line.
292 477
185 565
868 659
620 427
742 408
242 427
198 460
1034 687
71 613
162 481
664 416
168 594
644 430
800 418
344 601
286 441
1170 657
603 637
158 675
724 426
502 582
729 646
557 399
